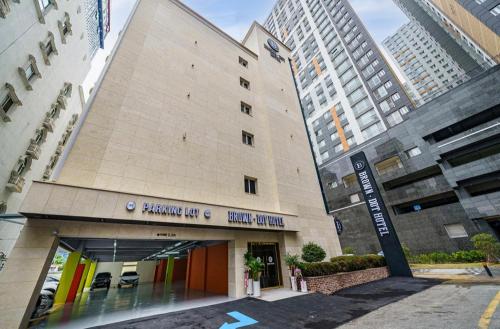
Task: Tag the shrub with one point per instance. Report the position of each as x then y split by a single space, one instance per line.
342 264
487 244
462 256
348 250
311 252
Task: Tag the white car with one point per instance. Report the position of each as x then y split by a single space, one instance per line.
129 279
51 283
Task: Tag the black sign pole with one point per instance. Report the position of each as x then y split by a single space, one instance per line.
393 252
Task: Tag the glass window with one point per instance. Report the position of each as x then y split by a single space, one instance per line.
247 138
413 152
250 185
388 165
394 118
354 198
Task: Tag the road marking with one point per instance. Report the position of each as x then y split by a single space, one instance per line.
484 322
242 318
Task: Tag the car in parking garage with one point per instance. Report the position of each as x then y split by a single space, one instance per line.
129 279
101 280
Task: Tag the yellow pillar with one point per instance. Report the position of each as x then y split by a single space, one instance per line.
90 274
170 270
67 277
84 275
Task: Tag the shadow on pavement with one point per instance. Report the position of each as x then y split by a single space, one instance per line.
312 311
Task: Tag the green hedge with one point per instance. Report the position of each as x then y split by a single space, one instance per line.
342 264
463 256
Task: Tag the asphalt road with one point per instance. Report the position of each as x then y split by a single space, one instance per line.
312 311
448 305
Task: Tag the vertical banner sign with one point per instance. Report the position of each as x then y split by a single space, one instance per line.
394 256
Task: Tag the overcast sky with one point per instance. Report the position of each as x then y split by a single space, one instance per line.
381 18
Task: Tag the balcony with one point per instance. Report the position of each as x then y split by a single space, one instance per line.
48 123
15 183
34 150
47 173
59 149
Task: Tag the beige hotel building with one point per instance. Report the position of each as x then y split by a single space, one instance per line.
191 136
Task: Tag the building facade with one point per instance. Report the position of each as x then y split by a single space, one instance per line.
468 30
428 69
98 19
438 173
348 92
191 136
44 56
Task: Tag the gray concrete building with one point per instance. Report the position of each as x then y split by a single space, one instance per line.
349 94
439 173
464 28
428 69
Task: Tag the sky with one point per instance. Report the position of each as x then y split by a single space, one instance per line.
381 18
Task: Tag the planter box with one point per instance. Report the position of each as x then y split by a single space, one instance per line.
329 284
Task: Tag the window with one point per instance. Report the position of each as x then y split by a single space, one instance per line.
322 143
394 118
495 11
44 4
325 155
339 148
371 131
354 198
247 138
334 136
65 27
404 110
243 62
388 165
413 152
388 84
29 72
455 231
349 180
48 48
380 92
250 185
395 97
332 184
245 108
245 83
8 102
43 7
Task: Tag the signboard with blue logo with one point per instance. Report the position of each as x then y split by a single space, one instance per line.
393 253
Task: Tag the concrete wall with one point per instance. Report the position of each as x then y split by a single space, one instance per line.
115 268
146 271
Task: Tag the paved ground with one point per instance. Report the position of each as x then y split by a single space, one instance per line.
313 311
448 305
101 307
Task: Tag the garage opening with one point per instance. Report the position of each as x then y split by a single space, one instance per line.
104 279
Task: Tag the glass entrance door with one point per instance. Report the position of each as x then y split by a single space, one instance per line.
268 253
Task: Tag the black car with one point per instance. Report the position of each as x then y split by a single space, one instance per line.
101 280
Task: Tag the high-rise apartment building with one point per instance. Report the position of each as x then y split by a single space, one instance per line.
468 30
428 69
97 15
348 92
44 57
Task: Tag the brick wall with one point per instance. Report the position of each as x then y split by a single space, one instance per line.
329 284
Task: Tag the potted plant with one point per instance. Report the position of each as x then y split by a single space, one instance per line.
248 284
300 278
256 266
292 261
